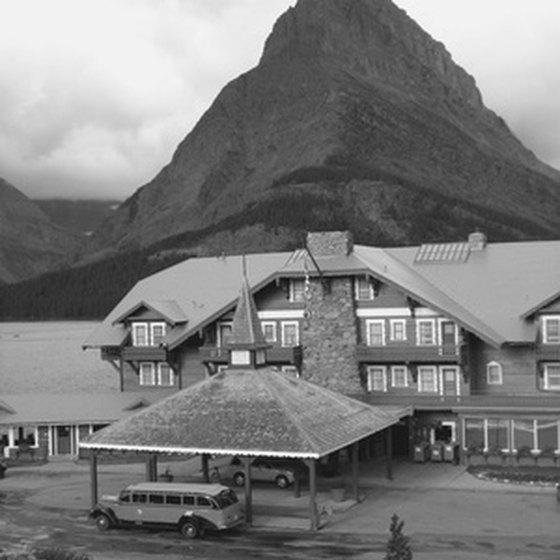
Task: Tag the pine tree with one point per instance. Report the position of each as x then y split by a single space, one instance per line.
398 546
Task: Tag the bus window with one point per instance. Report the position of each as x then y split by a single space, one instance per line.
125 497
188 500
139 498
203 501
173 499
156 498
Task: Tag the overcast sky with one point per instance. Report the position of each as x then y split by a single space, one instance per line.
95 95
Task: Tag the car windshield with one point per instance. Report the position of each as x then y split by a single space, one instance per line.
226 498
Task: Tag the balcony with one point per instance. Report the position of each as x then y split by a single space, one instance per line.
410 354
512 402
144 354
274 355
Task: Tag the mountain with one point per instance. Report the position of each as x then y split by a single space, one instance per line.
30 243
80 216
353 118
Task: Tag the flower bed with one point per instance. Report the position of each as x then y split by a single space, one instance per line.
543 476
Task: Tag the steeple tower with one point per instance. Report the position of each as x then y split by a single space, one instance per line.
247 346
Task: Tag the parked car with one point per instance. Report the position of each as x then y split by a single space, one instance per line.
189 508
281 472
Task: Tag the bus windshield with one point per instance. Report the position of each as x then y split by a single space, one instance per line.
226 498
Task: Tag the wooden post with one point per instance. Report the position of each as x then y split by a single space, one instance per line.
248 490
93 478
151 467
297 483
389 451
313 514
204 465
355 471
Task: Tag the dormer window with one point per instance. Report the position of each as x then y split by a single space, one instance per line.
297 290
363 289
551 329
148 333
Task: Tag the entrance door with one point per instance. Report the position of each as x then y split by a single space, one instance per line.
63 440
449 381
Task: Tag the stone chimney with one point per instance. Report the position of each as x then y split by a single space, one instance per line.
477 241
330 243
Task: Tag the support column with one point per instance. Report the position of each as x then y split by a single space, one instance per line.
93 478
248 490
204 466
355 471
313 514
151 467
389 451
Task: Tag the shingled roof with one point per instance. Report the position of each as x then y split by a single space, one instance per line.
248 412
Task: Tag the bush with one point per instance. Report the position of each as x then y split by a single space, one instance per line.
398 546
45 554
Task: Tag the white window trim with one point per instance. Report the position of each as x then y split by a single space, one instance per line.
136 325
432 323
548 319
290 370
161 366
369 379
457 379
219 326
393 371
369 323
274 330
434 371
283 326
493 364
371 292
151 372
293 291
440 331
392 324
547 386
153 326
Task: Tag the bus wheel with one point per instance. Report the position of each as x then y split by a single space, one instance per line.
189 529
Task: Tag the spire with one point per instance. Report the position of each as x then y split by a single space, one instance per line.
246 342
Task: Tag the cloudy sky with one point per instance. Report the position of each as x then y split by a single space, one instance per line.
95 95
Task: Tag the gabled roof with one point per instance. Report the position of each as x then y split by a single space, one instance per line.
249 412
168 310
203 288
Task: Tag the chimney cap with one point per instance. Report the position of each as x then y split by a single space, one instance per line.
477 241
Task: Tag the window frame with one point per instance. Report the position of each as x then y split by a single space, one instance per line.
432 323
136 326
394 369
160 367
369 324
274 326
370 380
360 289
152 373
546 376
153 326
500 373
434 371
283 326
297 290
546 338
392 324
219 335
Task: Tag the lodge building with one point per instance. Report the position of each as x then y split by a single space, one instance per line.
466 334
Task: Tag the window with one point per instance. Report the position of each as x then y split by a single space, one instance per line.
165 374
523 434
297 290
140 334
426 332
188 500
547 434
494 374
398 330
399 376
498 433
173 499
377 378
290 333
156 498
375 332
147 373
157 332
202 501
139 498
269 330
551 330
427 380
224 332
363 289
552 377
148 334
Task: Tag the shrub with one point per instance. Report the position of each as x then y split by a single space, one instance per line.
398 546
